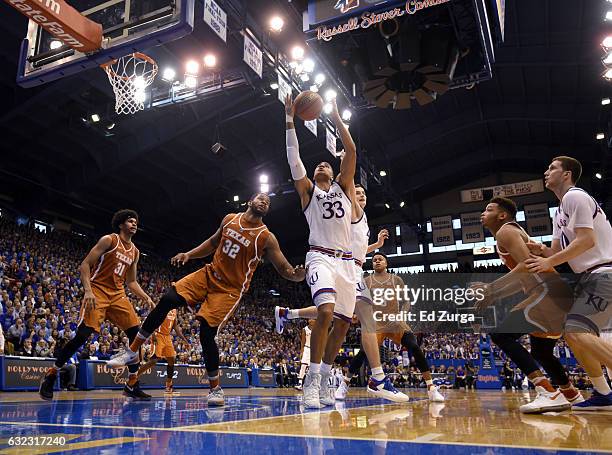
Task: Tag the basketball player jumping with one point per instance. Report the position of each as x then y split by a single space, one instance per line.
541 315
582 237
239 245
111 264
378 384
330 271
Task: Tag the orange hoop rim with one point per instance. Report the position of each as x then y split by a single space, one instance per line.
139 55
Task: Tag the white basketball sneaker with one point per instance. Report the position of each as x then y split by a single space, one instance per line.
434 395
326 392
341 391
546 401
216 397
122 359
312 382
384 389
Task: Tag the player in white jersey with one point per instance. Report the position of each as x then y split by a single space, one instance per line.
379 384
304 352
329 263
582 237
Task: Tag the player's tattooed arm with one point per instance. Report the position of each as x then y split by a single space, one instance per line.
132 283
204 249
274 254
103 245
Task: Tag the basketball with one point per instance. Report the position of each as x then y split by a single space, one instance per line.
308 105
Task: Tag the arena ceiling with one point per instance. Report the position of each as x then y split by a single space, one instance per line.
544 99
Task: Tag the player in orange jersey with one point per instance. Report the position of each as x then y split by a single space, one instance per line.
110 265
239 245
541 314
163 348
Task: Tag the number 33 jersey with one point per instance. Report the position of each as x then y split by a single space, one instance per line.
239 253
329 218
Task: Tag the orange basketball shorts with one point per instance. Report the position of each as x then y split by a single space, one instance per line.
111 305
163 347
218 301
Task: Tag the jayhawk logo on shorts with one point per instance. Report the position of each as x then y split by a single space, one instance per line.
346 5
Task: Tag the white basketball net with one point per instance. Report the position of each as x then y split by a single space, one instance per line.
130 76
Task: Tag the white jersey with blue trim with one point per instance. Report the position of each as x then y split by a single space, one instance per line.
579 210
360 232
329 218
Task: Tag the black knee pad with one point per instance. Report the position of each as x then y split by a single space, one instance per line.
132 332
542 350
409 341
210 351
82 334
171 300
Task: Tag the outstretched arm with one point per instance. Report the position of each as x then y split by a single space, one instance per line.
302 183
206 248
382 236
179 332
349 161
274 254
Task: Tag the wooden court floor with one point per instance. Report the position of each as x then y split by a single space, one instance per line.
274 421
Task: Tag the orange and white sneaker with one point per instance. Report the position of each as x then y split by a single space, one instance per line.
546 401
169 388
572 395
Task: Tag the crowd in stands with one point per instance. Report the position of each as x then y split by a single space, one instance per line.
40 294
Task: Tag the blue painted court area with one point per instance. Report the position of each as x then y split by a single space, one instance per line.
108 422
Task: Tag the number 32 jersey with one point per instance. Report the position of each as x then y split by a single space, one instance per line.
329 218
239 253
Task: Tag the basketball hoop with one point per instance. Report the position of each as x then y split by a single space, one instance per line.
129 76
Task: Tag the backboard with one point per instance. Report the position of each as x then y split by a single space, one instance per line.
128 26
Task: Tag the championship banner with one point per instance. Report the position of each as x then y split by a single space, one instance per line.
216 18
509 190
311 125
284 89
94 374
471 228
537 218
410 239
253 55
330 142
23 373
442 230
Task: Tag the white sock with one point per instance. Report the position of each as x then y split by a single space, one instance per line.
429 383
600 384
314 368
325 368
293 314
378 373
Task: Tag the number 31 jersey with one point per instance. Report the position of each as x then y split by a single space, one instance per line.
239 253
110 270
329 218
